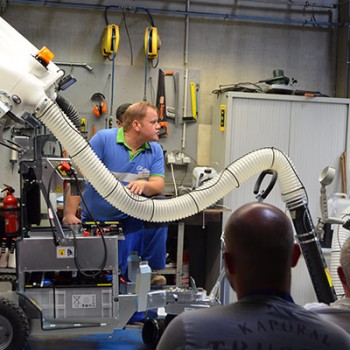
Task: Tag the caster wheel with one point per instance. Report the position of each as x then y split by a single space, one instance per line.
152 331
14 326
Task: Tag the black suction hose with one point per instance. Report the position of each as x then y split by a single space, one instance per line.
312 253
69 110
308 240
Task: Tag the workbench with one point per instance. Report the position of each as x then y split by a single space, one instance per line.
200 235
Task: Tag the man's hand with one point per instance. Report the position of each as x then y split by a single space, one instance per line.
137 187
151 187
71 204
70 219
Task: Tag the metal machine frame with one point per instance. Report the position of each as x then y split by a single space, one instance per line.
30 83
82 305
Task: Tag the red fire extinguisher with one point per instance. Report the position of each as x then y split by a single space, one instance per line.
11 213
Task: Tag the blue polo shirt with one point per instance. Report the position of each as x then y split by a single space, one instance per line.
109 145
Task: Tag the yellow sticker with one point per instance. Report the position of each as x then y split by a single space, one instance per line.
59 189
61 251
330 282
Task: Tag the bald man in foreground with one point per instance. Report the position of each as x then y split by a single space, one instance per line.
259 254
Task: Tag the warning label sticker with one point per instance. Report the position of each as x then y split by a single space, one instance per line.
64 252
84 301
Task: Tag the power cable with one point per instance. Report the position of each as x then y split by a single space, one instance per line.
129 39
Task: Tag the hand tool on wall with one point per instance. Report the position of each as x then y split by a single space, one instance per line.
194 102
83 127
161 102
172 112
161 105
93 130
344 185
110 122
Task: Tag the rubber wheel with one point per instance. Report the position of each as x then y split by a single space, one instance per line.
14 326
9 278
151 332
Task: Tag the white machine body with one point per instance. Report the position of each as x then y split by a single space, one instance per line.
25 82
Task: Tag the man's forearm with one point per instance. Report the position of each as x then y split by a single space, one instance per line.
152 187
71 204
155 185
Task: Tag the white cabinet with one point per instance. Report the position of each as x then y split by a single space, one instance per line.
311 131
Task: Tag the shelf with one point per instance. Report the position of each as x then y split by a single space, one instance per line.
167 271
5 270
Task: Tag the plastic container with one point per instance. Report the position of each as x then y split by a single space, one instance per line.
133 264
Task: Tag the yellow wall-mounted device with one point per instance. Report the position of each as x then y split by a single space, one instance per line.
152 42
110 40
222 118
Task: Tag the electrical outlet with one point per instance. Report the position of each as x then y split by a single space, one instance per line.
170 158
179 159
186 159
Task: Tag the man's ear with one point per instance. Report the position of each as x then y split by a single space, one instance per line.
136 125
229 266
341 275
296 254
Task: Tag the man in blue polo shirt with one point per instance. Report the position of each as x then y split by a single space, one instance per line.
132 154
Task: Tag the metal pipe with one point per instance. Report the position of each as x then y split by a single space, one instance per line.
294 3
224 16
184 109
92 6
71 64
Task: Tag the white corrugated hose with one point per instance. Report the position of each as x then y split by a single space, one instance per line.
167 210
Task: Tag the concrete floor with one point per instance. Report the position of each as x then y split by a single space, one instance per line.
125 339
